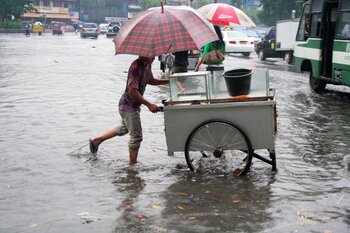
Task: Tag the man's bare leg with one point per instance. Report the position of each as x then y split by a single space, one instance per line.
110 133
133 155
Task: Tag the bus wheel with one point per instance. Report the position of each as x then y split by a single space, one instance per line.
317 84
261 55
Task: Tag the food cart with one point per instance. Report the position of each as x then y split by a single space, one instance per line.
212 127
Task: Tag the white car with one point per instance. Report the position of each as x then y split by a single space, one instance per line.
238 42
103 28
113 29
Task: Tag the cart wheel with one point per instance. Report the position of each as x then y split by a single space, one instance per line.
169 62
222 141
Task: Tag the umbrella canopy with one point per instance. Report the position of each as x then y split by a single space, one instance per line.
159 30
224 14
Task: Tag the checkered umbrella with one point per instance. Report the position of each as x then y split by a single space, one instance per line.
224 14
159 30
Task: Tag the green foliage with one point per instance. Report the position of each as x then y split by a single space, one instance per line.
199 3
253 14
145 4
11 24
15 8
237 3
274 10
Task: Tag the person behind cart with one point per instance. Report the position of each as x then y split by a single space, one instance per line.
180 66
139 75
218 46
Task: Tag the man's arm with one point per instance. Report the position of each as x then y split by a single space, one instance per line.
136 95
155 81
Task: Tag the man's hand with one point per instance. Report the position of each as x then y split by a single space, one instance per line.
153 108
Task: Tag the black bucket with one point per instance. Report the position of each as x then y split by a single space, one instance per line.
238 81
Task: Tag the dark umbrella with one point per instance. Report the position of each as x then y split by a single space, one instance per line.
159 30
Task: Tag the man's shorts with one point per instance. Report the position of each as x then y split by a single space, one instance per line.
131 123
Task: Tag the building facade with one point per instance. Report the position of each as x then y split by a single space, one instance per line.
99 10
53 10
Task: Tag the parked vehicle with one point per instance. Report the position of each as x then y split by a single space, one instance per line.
113 28
249 32
261 32
103 28
322 44
57 28
279 41
238 42
89 30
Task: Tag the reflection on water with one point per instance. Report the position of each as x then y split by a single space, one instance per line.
131 185
237 203
56 92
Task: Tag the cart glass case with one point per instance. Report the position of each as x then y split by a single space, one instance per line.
195 85
206 86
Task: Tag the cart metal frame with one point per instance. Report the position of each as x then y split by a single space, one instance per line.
242 124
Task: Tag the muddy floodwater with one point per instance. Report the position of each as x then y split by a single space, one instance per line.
57 91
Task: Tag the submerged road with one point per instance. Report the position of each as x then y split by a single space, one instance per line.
57 91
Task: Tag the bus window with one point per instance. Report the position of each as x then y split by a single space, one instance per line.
317 6
303 30
345 5
343 29
316 20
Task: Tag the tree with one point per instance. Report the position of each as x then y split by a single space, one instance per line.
274 10
237 3
199 3
15 8
145 4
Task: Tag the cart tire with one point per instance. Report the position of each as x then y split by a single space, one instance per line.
169 63
220 140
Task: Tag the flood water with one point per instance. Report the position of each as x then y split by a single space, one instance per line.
57 91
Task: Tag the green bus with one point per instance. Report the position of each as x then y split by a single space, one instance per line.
322 45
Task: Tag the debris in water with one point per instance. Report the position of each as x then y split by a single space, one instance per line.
304 214
180 166
236 201
155 206
128 206
180 207
87 217
140 217
158 228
